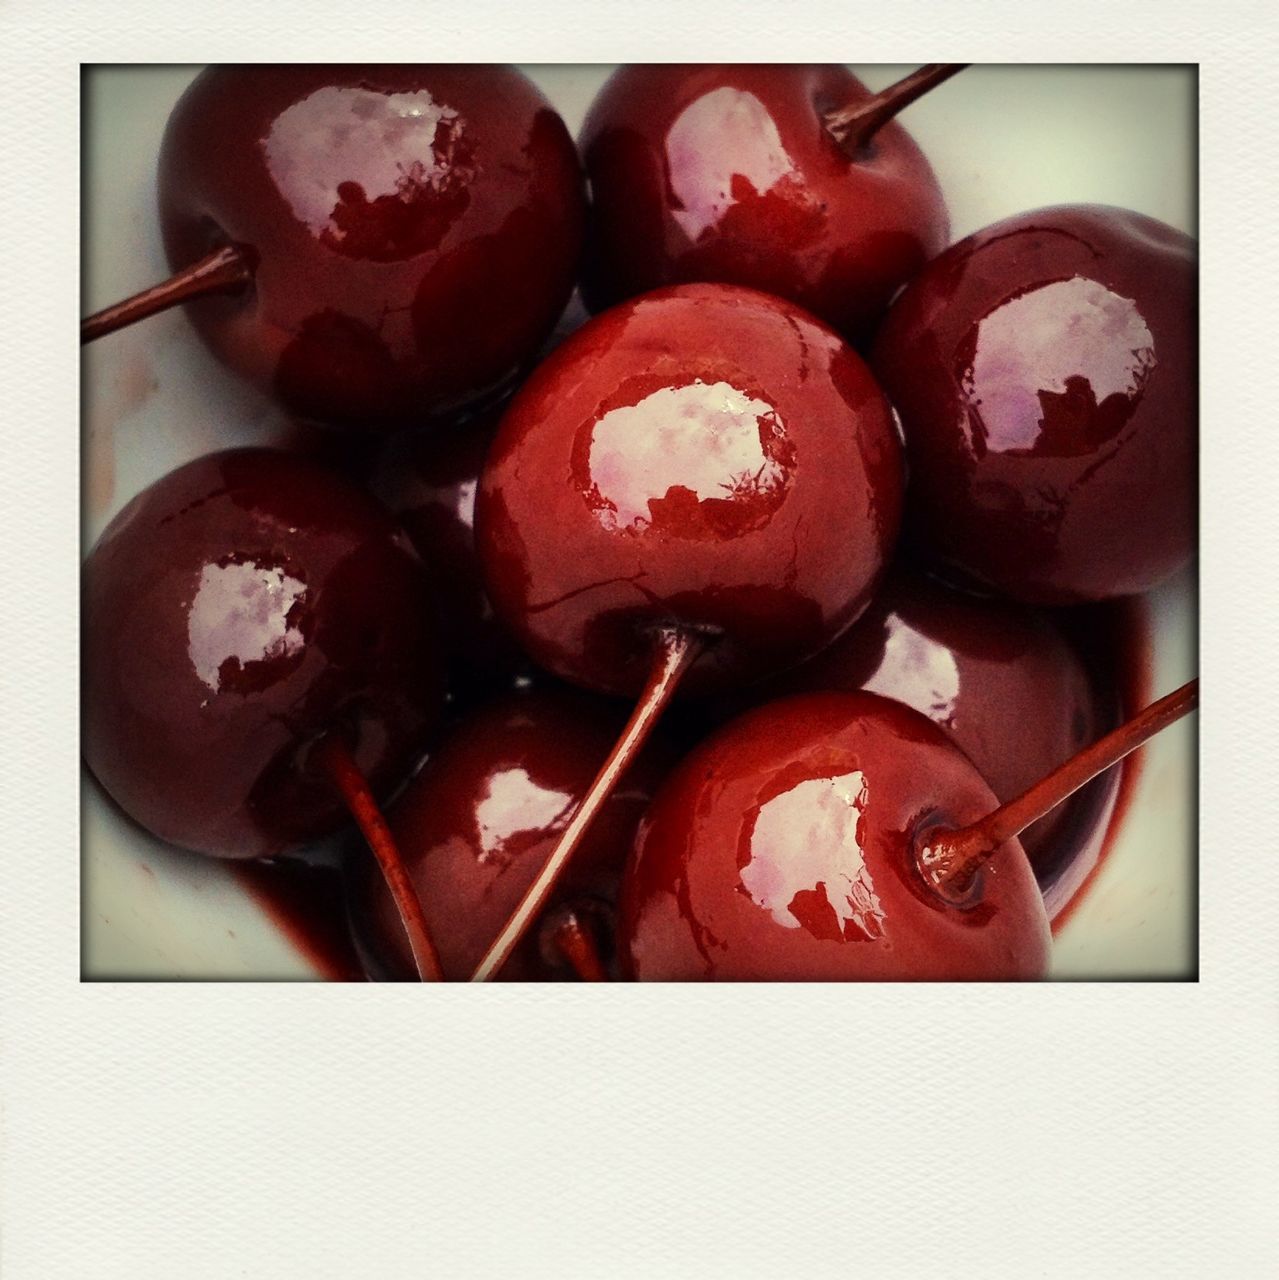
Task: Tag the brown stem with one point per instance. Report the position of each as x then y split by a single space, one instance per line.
675 650
338 763
575 941
224 271
854 126
950 859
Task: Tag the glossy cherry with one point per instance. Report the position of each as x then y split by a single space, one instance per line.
370 243
1002 680
790 179
703 483
479 821
843 836
238 614
704 455
783 849
1045 372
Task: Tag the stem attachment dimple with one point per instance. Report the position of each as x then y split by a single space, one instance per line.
675 649
949 860
340 766
854 126
224 271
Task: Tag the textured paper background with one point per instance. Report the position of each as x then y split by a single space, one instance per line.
214 1131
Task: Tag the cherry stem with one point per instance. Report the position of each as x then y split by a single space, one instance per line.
574 939
675 650
854 126
338 763
950 859
224 271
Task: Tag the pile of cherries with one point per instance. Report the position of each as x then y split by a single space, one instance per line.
707 643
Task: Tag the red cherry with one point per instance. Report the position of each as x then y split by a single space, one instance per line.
705 456
843 836
478 822
1045 372
235 614
790 179
704 481
1002 680
386 241
783 849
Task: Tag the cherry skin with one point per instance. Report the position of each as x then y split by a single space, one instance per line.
706 457
1002 680
412 231
731 173
1045 372
784 849
236 614
428 481
480 819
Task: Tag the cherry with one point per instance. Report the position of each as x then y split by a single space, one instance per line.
233 613
259 656
706 455
703 481
843 836
1045 372
428 481
369 243
791 179
478 822
1002 680
788 836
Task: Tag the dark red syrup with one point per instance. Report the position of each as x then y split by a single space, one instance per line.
305 897
1117 643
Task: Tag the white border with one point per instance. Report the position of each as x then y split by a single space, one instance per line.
224 1130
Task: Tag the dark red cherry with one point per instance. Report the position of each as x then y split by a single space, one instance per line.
428 481
784 849
478 822
239 613
1045 372
705 456
1002 680
783 178
406 235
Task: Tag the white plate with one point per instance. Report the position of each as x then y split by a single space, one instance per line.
1002 140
